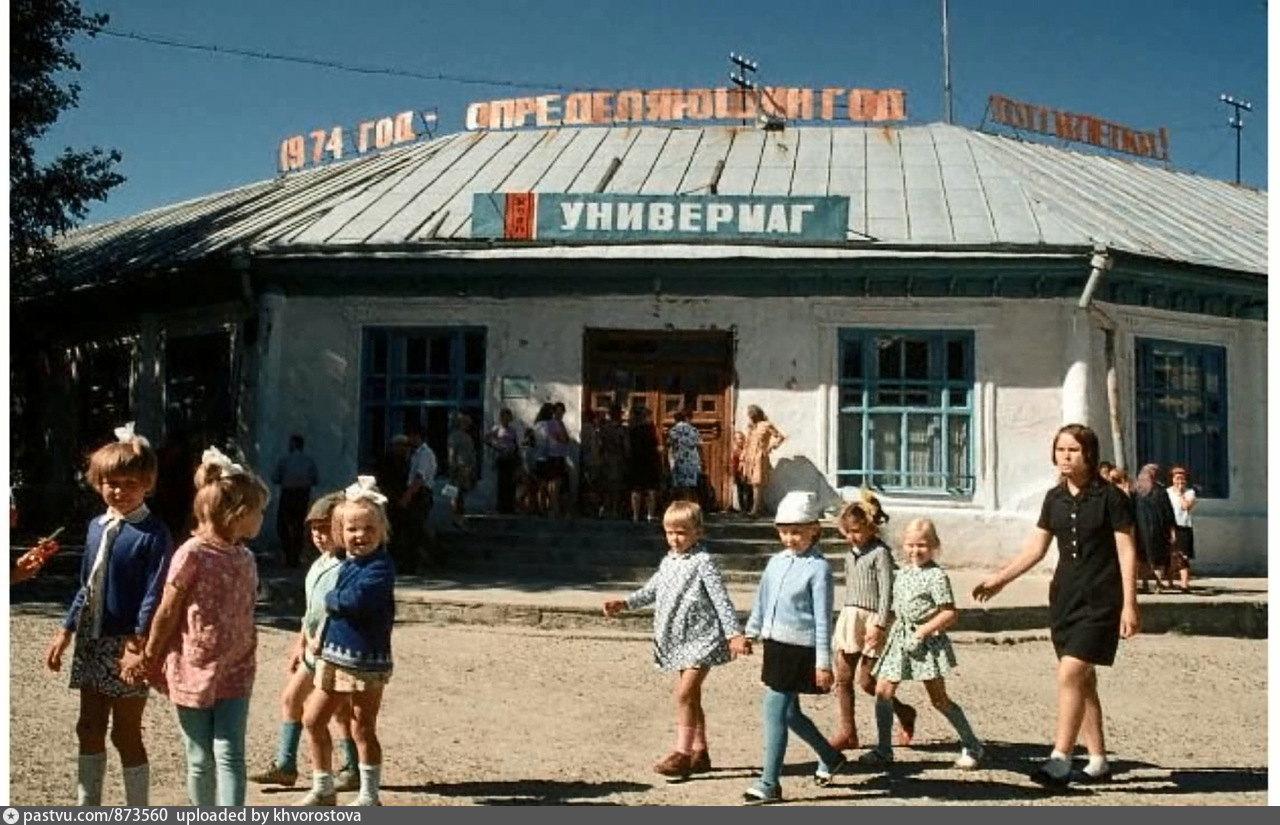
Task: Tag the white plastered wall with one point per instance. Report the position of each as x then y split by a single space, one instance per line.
786 363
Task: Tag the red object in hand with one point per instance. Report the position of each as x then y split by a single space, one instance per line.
43 549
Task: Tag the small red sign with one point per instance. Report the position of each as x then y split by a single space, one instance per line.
518 218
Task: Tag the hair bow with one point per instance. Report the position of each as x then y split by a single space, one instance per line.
215 456
126 434
366 487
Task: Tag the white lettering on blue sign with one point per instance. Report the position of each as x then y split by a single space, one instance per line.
609 216
659 216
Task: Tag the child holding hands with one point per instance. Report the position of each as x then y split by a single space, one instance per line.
792 614
860 629
321 577
354 661
694 628
202 649
122 572
918 648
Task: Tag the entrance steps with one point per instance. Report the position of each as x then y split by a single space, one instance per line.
600 550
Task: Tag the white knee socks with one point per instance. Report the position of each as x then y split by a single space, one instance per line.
90 769
137 785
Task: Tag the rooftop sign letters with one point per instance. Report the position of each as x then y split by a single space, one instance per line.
1079 128
652 105
331 143
616 217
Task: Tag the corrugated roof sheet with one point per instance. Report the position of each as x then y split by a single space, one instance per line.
926 186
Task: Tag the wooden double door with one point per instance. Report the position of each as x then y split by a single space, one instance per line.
666 372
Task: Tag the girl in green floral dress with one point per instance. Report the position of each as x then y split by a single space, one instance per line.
918 649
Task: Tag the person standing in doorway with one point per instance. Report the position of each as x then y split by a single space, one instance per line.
505 443
684 455
462 465
762 438
296 474
644 464
416 500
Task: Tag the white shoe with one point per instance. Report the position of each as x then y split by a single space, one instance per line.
968 760
362 801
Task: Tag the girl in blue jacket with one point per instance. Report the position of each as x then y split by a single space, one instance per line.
792 614
122 572
354 650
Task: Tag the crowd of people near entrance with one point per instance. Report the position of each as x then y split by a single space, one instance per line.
180 620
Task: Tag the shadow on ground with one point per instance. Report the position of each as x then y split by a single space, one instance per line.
526 791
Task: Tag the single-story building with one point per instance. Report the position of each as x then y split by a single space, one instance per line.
917 307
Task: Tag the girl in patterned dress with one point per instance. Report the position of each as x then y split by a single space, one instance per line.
202 649
122 571
301 663
918 649
694 627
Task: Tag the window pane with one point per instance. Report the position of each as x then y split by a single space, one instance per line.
851 355
474 353
924 450
889 357
917 359
957 364
959 472
886 448
441 355
378 352
415 355
850 441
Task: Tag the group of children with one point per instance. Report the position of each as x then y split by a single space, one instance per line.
891 629
182 621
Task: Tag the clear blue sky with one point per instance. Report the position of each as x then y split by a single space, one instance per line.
190 123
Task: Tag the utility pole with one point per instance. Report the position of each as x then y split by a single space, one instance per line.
946 65
1237 122
740 79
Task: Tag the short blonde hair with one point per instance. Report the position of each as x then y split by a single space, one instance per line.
688 512
221 498
133 458
926 528
344 504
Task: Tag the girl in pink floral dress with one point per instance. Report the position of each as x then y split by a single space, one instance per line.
201 650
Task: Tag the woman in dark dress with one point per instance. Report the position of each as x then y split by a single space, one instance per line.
1093 600
1153 527
644 464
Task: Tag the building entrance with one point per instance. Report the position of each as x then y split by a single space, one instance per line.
666 372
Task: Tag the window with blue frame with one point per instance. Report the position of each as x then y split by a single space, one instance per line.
1181 417
419 373
906 411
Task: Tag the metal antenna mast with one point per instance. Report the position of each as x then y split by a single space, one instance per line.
740 79
946 65
1237 122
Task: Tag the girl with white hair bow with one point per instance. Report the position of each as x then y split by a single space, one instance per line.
354 660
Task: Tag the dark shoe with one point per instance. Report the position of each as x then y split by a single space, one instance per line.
1042 777
755 796
822 776
674 764
276 775
700 762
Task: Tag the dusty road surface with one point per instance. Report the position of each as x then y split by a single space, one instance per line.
479 715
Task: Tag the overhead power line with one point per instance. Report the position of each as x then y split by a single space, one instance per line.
330 64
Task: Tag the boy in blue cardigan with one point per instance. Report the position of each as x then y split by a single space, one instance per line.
355 644
122 572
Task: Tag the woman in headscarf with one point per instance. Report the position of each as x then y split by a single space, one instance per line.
1153 522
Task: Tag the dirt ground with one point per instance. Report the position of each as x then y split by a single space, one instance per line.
501 715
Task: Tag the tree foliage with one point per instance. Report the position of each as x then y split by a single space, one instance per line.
47 199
